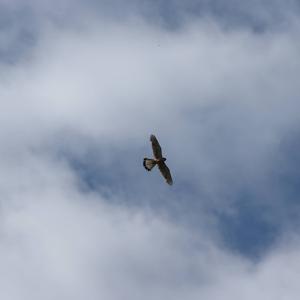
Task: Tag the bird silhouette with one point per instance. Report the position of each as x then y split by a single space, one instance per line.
159 160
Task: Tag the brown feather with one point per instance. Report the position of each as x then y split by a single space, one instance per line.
165 171
156 147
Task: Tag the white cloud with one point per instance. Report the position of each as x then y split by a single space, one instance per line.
59 243
221 102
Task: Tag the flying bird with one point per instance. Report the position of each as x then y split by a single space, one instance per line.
159 160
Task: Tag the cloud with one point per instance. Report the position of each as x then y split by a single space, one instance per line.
59 243
79 216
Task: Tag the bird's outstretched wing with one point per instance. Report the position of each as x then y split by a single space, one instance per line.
156 147
165 171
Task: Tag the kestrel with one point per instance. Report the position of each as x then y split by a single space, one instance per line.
158 160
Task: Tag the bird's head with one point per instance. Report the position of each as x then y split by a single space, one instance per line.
164 159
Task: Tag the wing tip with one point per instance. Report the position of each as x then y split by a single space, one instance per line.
169 182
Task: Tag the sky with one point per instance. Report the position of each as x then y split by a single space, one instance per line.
83 84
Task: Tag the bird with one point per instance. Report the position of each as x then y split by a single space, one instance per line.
159 160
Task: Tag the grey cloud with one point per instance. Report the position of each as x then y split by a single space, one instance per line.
22 23
221 93
59 243
79 216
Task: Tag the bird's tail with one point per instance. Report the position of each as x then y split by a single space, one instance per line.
149 164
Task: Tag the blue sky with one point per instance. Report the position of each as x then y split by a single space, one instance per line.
83 85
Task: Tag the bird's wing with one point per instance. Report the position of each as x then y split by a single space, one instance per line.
165 171
149 164
156 147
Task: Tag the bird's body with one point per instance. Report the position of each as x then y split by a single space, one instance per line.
159 160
